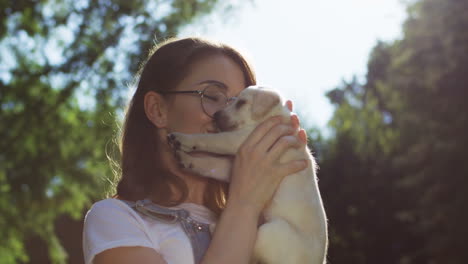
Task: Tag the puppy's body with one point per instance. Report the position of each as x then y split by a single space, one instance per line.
295 231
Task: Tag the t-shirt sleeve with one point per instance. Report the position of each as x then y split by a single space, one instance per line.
111 223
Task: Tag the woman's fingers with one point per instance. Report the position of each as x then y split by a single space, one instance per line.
264 139
289 104
282 145
302 136
271 133
274 135
301 133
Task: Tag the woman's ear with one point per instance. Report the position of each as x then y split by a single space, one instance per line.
156 109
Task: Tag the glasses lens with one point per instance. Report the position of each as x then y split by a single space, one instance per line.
213 99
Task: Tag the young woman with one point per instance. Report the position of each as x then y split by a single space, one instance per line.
143 223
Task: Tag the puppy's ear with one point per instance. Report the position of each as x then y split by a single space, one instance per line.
263 102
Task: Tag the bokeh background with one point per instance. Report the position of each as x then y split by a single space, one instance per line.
381 87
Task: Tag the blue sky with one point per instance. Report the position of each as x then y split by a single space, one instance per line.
304 48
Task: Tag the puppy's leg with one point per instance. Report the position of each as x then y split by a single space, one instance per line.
278 243
225 143
218 168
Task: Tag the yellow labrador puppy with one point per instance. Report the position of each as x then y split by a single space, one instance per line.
295 231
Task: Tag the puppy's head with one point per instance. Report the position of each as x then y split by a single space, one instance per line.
253 105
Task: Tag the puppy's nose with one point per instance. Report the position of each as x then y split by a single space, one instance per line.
217 116
219 119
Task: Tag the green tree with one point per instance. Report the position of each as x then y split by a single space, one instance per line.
65 66
405 129
357 182
424 86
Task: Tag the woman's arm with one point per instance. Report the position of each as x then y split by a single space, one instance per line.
234 237
125 255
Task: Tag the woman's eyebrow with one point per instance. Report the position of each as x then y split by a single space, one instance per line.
220 84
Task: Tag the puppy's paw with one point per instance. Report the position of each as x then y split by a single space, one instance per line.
180 142
184 160
173 142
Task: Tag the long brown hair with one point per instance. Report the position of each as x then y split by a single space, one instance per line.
166 66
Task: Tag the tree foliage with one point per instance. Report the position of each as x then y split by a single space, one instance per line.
393 174
65 67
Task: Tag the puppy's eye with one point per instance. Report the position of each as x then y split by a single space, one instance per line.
240 103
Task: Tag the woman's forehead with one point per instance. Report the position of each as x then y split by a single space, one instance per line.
218 69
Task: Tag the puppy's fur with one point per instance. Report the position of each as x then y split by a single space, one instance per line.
295 231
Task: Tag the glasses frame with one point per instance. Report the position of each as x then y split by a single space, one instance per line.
200 93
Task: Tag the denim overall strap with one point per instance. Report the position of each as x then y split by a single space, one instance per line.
198 233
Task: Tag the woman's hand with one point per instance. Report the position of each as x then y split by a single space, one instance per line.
257 171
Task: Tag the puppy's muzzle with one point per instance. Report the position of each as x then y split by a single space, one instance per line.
222 121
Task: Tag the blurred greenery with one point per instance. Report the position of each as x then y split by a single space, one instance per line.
392 174
65 69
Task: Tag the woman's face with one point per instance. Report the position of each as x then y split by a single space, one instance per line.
185 113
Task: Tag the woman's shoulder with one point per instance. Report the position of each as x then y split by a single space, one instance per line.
110 208
113 220
110 223
109 203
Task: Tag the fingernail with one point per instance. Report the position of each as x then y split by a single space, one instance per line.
297 119
302 136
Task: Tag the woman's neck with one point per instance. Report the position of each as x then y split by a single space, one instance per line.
196 184
196 188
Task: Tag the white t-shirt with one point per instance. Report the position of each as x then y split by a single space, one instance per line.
111 223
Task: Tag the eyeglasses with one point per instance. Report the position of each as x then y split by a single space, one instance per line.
212 98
